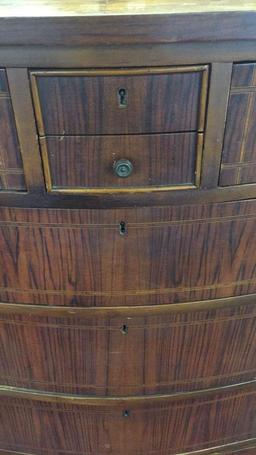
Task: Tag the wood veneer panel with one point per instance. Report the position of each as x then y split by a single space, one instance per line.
158 100
180 426
167 255
87 162
128 28
11 168
127 355
239 153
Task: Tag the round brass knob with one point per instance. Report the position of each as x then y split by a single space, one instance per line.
123 168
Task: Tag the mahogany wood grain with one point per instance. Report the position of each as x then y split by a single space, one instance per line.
167 255
80 103
26 128
181 426
128 28
87 162
239 154
129 355
11 167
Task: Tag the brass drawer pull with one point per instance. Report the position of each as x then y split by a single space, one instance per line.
123 168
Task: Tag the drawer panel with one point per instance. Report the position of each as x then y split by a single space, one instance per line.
128 354
149 100
94 162
152 255
171 426
239 154
11 167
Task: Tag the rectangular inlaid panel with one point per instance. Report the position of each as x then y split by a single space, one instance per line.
87 162
166 428
3 82
239 153
149 100
11 167
131 256
129 355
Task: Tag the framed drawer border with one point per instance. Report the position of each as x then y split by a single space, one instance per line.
116 72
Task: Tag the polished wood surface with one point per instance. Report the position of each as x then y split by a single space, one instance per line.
239 154
166 255
74 162
11 168
127 306
129 355
102 7
125 22
184 425
157 100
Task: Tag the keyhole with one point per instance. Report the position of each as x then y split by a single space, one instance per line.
122 97
124 329
126 413
122 228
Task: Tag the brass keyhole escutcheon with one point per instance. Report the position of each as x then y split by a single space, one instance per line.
124 329
122 228
122 97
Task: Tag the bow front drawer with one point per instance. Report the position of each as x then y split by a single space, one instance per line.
130 101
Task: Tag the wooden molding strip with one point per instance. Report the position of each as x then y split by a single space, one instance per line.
216 115
50 397
229 449
114 200
129 29
140 310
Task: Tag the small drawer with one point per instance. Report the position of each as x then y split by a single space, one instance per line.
102 163
128 101
239 153
154 426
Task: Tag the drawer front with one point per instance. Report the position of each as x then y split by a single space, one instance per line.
96 162
239 154
127 354
127 256
120 257
150 100
170 427
11 167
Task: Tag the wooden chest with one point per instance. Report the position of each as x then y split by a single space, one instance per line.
127 228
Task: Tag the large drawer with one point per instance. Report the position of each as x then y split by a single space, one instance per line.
165 426
142 256
121 101
137 352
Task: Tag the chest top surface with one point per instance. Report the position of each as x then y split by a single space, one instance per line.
56 8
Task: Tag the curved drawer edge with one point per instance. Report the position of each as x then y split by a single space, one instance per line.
248 445
50 397
53 310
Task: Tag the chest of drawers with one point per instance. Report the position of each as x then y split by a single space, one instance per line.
127 228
